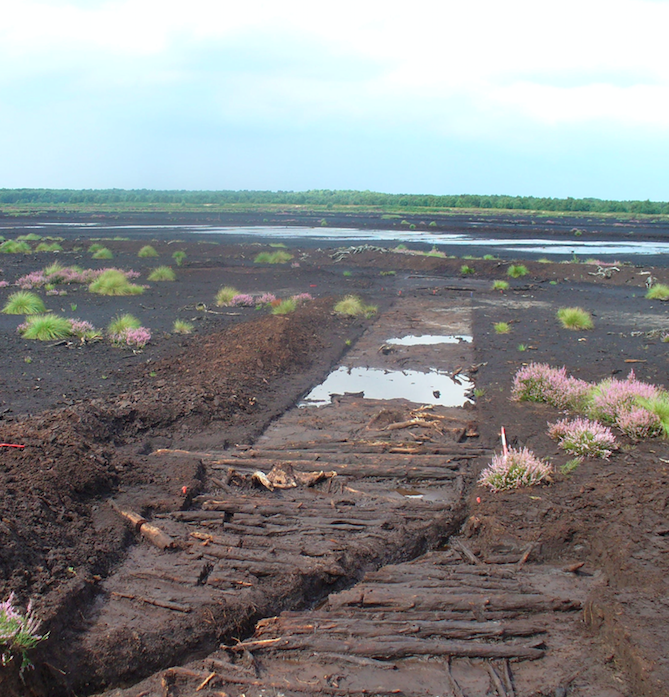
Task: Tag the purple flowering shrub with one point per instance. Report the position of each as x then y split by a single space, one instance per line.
84 330
513 469
3 284
18 632
538 382
639 423
583 437
265 299
65 274
613 398
134 338
242 300
302 298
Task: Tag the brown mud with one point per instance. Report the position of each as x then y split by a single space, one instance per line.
554 590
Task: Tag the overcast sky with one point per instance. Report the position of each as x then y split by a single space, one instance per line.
566 98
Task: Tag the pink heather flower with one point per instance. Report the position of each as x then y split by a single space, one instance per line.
18 631
138 338
538 382
302 297
3 284
242 300
583 437
612 397
515 469
52 292
36 279
266 299
80 327
639 423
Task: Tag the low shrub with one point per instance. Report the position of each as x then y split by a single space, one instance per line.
126 330
583 437
658 406
225 295
612 398
182 327
514 469
574 318
47 327
517 271
162 273
265 299
502 327
538 382
352 306
114 282
639 423
147 251
243 300
18 632
103 253
179 257
84 330
15 247
24 303
500 285
659 291
278 257
302 298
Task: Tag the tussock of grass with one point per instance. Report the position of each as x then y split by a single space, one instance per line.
517 270
658 405
225 295
574 318
466 270
114 282
285 307
46 247
352 306
500 285
121 323
103 253
15 247
179 257
147 251
47 327
180 326
30 237
502 328
95 247
278 257
659 291
23 303
162 273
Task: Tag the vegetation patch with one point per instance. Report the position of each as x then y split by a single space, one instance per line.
15 247
500 285
277 257
502 327
147 251
114 282
162 273
24 302
514 469
103 253
225 295
180 326
48 247
353 306
574 318
517 271
583 437
179 257
47 327
659 291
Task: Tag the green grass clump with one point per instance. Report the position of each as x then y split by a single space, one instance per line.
15 247
147 251
658 405
30 237
517 270
179 257
352 306
121 323
500 285
225 295
95 247
466 270
46 247
103 253
502 328
162 273
180 326
574 318
23 302
659 291
47 327
284 307
113 282
489 257
278 257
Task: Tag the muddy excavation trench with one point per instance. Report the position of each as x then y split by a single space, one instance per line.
288 505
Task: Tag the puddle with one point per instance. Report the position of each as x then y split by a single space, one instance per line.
433 387
429 339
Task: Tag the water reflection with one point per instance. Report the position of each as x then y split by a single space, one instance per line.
430 339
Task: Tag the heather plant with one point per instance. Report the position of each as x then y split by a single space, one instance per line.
48 247
84 330
122 323
538 382
126 330
352 306
659 291
658 406
162 273
514 469
147 251
265 299
583 437
639 423
243 300
574 318
225 295
135 338
502 328
278 257
180 326
3 284
114 282
47 327
18 632
517 270
179 257
103 253
15 247
500 285
285 307
24 302
302 298
611 398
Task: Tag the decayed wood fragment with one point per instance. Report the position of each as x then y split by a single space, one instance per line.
152 533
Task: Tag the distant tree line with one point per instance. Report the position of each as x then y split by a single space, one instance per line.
324 198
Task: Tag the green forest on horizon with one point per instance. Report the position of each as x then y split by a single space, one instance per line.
322 198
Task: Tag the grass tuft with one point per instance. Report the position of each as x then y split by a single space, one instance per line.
659 291
574 318
114 282
46 247
179 257
147 251
162 273
500 285
352 306
278 257
517 271
47 327
285 307
122 323
502 327
225 295
180 326
15 247
103 253
95 247
24 303
466 270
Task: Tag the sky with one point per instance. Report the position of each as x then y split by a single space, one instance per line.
519 97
